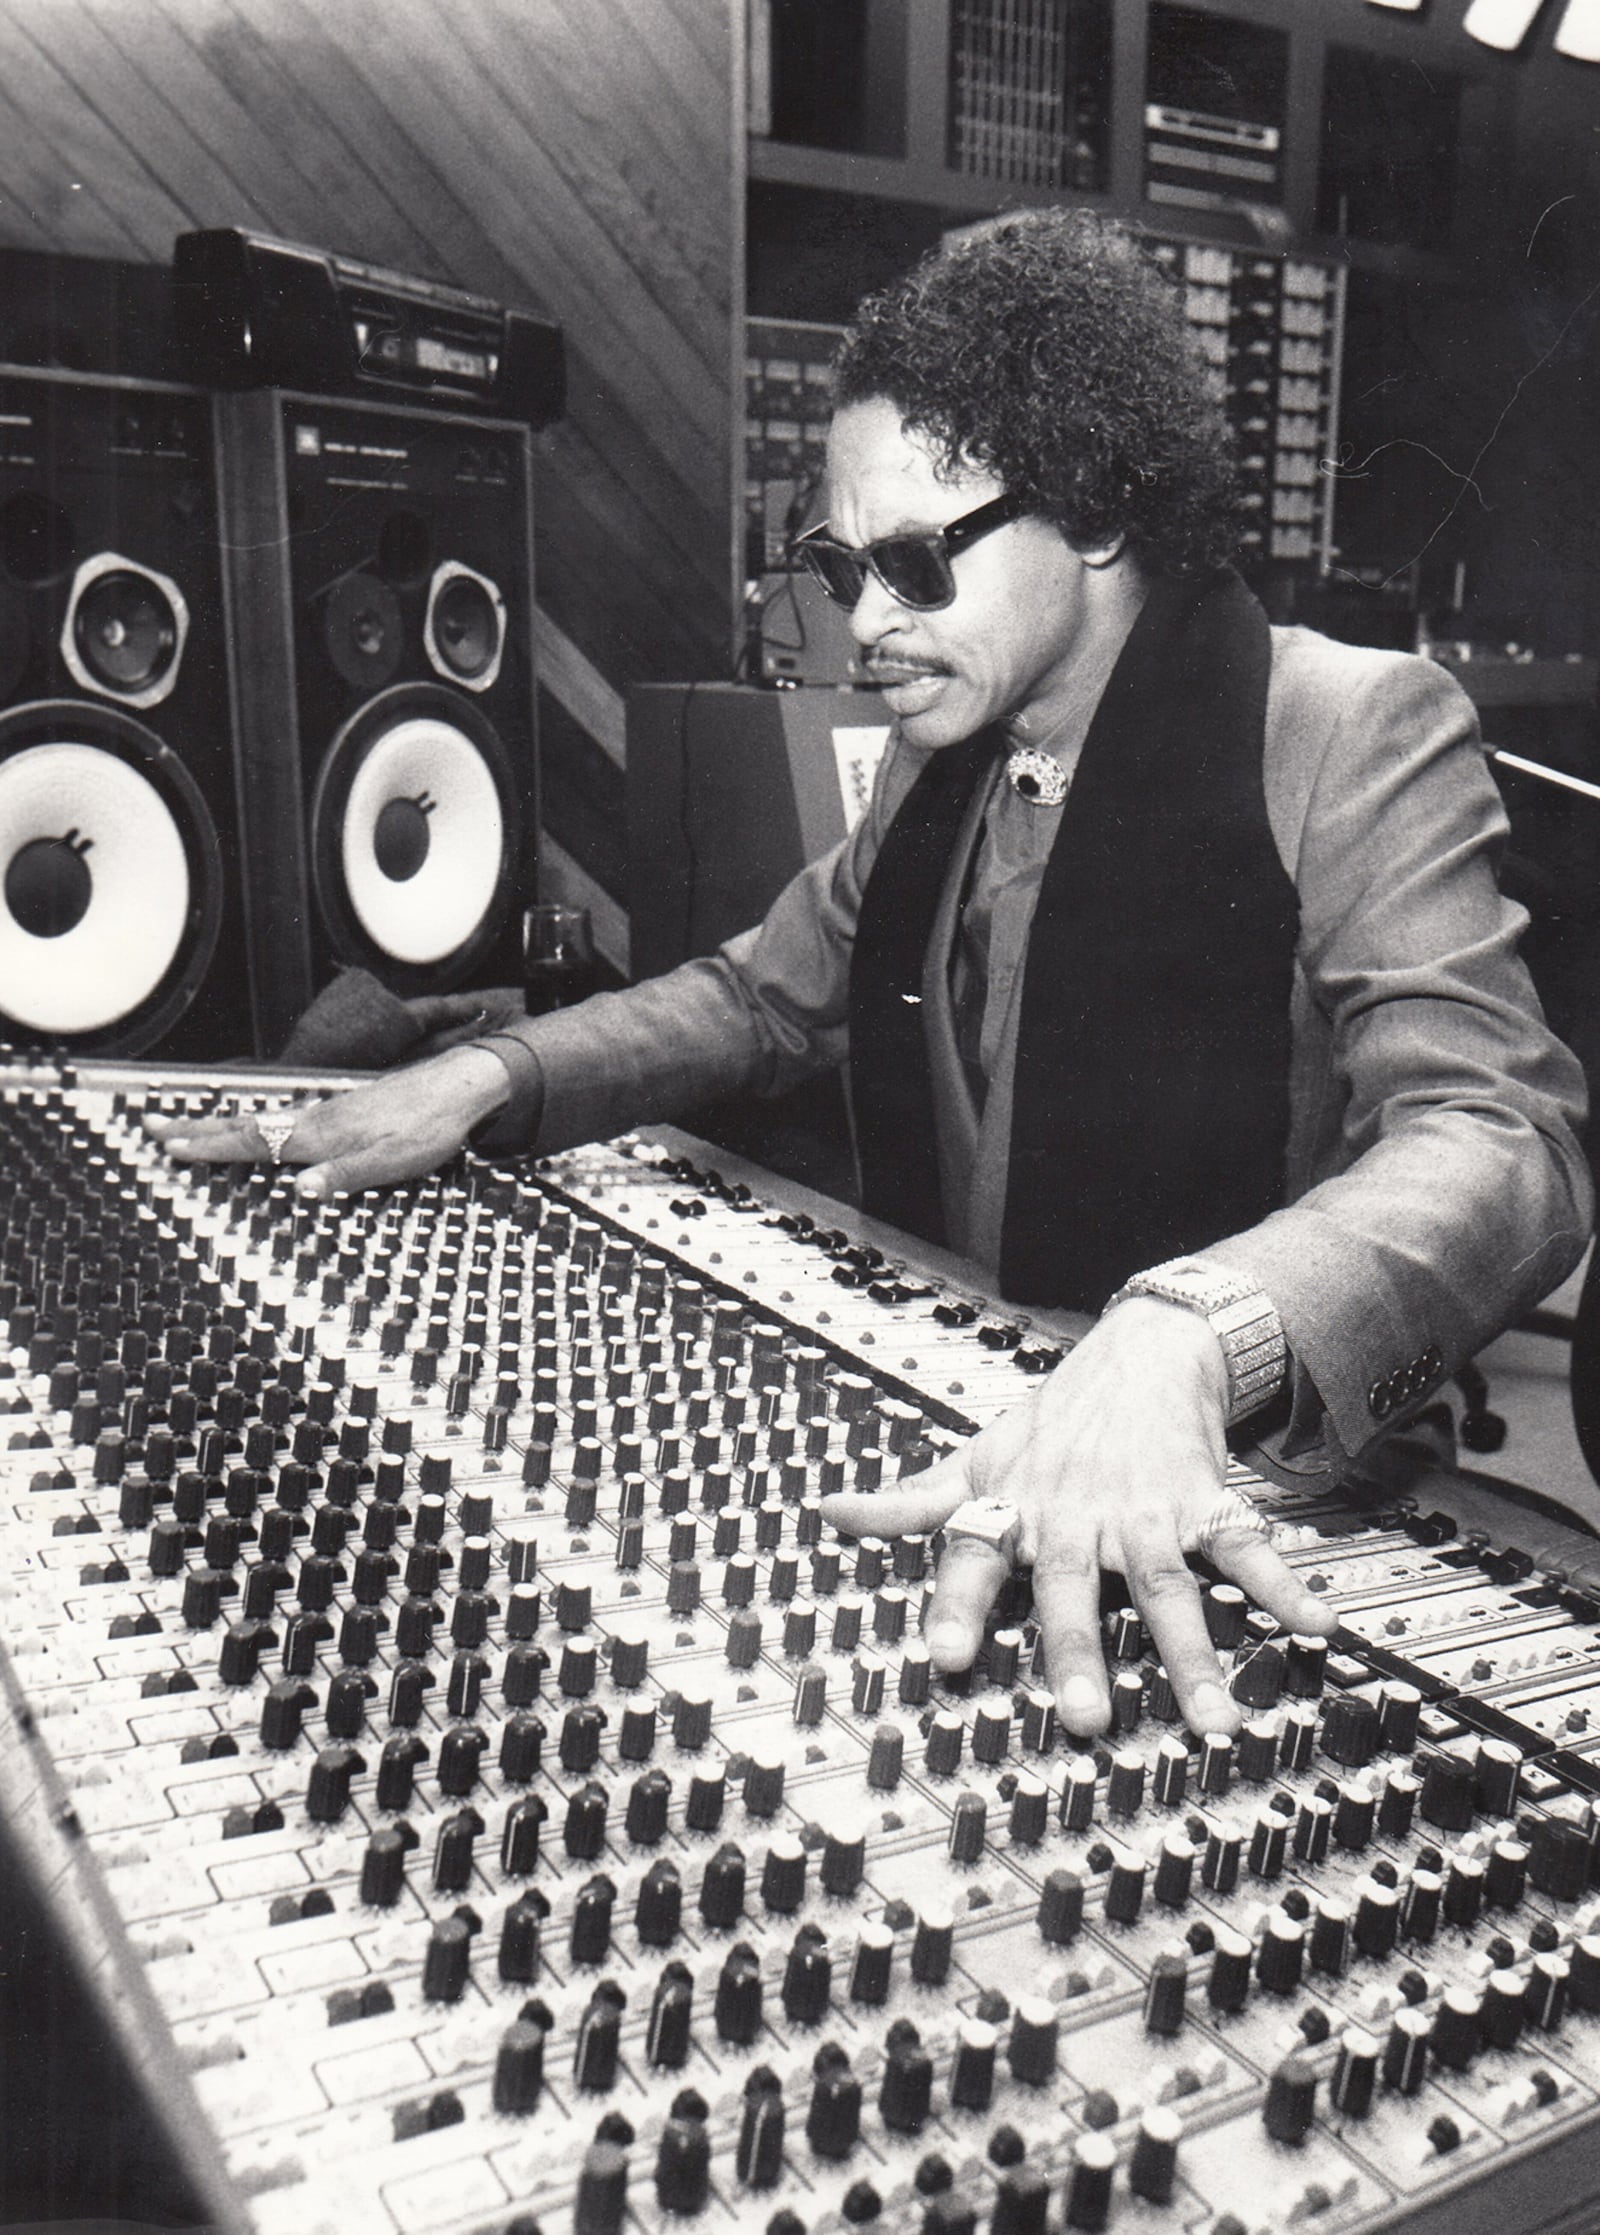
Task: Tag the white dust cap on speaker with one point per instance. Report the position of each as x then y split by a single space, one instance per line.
425 916
134 879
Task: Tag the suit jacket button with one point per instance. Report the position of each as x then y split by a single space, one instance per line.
1433 1361
1380 1401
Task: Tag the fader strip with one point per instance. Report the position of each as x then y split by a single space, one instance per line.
518 1810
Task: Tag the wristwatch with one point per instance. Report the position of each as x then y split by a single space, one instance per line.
1241 1317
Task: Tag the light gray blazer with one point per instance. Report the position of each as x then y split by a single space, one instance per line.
1436 1188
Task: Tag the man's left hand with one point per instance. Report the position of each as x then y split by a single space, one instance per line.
1117 1461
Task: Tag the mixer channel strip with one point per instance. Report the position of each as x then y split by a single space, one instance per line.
517 1809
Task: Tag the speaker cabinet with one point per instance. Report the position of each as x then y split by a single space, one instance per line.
731 791
380 587
121 925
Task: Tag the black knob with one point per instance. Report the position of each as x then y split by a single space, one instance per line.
1031 2051
972 2069
1350 1730
446 1965
1229 1986
454 1851
1088 2198
1378 1913
1153 2167
722 1887
833 2123
1463 1890
1355 2076
585 1831
737 2008
461 1752
1506 1873
758 2160
1498 1777
1061 1907
1405 2053
783 1875
383 1865
519 2069
1504 2010
521 1742
1166 1992
648 1799
683 2164
328 1793
591 1920
874 1962
1291 2104
807 1978
1449 1793
1558 1860
519 1938
594 2062
1457 2027
667 2034
1282 1953
1021 2201
1125 1890
659 1908
907 2090
519 1836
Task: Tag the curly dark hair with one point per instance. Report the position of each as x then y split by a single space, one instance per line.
1046 348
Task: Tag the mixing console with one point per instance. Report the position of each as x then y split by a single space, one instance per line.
485 1796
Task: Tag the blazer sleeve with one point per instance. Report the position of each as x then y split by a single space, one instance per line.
1449 1191
768 1008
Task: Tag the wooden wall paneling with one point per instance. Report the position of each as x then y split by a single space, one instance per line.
36 191
199 135
582 796
680 29
667 132
628 610
341 103
73 159
92 55
527 206
602 205
293 162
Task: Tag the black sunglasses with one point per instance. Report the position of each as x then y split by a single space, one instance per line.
914 569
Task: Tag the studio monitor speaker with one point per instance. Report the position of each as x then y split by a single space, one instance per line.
379 565
121 925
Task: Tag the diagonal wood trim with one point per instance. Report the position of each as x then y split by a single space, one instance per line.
562 879
580 687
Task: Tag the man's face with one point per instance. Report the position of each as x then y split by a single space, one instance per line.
1023 608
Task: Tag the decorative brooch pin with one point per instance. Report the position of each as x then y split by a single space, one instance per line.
1037 776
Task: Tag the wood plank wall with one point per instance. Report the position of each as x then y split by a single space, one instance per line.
576 157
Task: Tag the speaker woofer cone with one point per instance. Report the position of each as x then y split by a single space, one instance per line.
124 630
110 880
415 838
464 632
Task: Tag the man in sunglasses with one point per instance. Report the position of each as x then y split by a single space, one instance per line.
1168 961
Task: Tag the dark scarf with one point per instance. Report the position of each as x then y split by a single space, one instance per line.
1151 1098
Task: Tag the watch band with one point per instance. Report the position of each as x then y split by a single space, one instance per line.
1243 1319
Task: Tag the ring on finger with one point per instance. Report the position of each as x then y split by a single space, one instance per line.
1227 1515
989 1521
276 1132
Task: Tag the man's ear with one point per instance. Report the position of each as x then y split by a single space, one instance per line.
1102 554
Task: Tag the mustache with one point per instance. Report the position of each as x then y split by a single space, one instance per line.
886 665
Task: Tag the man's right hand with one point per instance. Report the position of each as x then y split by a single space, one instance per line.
394 1128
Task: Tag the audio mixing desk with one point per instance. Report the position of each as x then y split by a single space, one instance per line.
478 1795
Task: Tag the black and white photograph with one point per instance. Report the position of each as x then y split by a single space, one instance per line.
799 981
